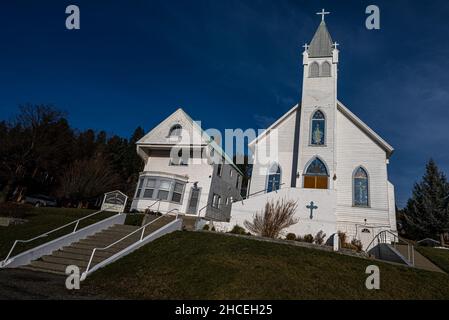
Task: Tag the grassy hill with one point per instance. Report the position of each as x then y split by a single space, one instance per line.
195 265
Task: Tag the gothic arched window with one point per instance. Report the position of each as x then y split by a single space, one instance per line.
274 178
316 176
361 185
318 129
326 69
314 70
175 131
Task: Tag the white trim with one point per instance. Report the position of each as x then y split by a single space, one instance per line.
274 125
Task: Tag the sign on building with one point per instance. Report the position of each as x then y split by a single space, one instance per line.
114 201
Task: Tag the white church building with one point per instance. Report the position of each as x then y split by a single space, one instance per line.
323 157
320 155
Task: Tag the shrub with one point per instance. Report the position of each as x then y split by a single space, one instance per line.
213 229
291 236
342 237
357 245
319 238
238 230
275 218
206 227
308 238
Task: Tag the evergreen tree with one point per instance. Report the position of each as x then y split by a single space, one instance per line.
426 213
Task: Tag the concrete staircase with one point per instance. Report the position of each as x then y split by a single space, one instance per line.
79 253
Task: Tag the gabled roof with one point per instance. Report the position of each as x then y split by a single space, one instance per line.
274 125
206 139
322 44
367 130
346 112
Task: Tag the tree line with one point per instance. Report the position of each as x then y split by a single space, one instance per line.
41 153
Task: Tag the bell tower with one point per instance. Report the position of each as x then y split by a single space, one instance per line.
318 111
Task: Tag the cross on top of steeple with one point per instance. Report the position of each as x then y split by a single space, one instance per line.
322 13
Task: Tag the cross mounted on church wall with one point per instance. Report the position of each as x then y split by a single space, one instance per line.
312 207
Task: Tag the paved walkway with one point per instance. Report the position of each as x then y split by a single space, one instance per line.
16 284
421 262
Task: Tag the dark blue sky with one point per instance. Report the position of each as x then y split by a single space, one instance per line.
232 64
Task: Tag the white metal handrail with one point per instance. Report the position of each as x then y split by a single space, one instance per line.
154 203
127 236
381 237
76 222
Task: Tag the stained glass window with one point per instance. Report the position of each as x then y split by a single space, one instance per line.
318 129
316 176
274 178
361 188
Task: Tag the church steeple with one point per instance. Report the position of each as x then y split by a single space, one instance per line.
321 45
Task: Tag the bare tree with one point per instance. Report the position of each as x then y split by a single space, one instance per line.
275 218
88 178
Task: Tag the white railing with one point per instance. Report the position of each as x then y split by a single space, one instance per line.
154 203
141 229
383 238
76 223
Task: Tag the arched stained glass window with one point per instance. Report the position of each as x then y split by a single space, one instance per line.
316 176
314 70
318 129
274 178
326 69
361 192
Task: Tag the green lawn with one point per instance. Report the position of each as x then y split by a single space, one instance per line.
42 220
438 256
196 265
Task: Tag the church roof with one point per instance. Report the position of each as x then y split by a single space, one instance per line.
321 45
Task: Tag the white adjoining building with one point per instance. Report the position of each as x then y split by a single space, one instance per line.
185 169
324 157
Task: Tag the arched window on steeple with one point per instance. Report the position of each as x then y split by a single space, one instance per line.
314 70
326 69
361 187
316 175
318 129
274 178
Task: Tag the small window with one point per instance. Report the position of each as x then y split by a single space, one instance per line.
175 131
274 178
139 187
164 190
318 129
230 173
238 182
326 69
216 201
219 170
177 192
149 188
228 201
314 70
